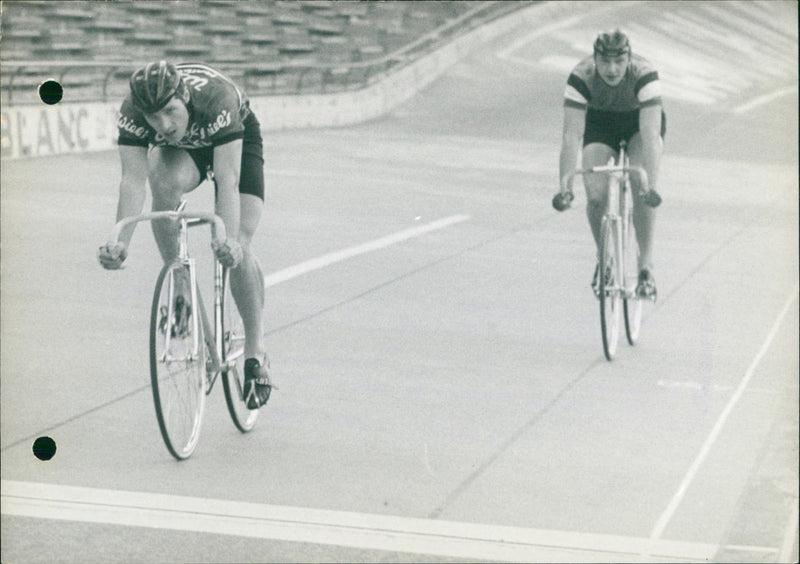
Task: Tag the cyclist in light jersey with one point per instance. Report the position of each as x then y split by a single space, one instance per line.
179 125
610 96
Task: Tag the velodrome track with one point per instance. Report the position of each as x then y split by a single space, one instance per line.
443 394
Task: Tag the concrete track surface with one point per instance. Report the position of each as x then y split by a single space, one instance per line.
443 393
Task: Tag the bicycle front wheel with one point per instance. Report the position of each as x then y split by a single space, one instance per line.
632 305
177 361
610 296
233 355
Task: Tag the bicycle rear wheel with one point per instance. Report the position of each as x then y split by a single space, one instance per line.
610 296
632 305
177 361
233 378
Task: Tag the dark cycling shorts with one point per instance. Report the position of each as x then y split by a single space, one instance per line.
610 128
251 177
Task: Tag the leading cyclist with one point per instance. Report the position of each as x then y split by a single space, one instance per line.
179 125
614 95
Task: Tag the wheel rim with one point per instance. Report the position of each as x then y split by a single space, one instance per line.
610 302
632 305
177 365
633 319
233 379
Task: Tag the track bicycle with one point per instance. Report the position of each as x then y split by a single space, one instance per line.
619 250
187 353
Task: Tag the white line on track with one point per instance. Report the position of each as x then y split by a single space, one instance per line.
761 100
535 34
669 512
471 541
790 535
349 252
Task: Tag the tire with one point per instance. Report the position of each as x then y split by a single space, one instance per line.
632 305
177 363
610 296
233 379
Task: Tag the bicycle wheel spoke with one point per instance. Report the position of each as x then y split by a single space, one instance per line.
632 306
610 295
177 372
233 379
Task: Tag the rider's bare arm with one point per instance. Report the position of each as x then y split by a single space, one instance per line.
131 187
572 139
650 130
227 165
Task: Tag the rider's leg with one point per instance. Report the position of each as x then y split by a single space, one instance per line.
247 280
596 154
172 173
643 215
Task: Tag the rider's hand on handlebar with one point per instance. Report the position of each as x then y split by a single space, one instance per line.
229 253
652 198
563 200
111 258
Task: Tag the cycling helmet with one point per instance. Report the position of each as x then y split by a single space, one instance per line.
612 44
154 85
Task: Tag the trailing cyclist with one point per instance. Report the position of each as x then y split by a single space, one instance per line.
179 125
610 96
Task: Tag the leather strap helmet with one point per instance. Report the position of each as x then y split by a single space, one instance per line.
154 85
612 44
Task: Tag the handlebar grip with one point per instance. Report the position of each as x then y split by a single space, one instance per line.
652 199
217 226
563 200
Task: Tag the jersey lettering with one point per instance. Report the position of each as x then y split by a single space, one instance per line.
217 110
129 126
586 89
195 82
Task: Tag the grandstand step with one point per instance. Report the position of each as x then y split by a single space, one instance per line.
225 4
15 54
315 5
265 67
23 26
186 18
371 50
189 49
229 59
288 18
260 38
112 25
292 47
150 37
147 7
259 53
248 9
67 11
223 28
324 28
352 9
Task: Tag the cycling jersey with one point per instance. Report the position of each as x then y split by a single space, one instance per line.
217 110
612 112
640 87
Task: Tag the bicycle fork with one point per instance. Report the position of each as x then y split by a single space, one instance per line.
617 230
217 361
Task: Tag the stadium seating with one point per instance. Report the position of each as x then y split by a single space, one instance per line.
265 43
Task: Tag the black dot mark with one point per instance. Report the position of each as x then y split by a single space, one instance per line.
44 448
50 91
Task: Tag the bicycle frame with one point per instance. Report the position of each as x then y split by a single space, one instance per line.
616 293
618 200
177 372
217 363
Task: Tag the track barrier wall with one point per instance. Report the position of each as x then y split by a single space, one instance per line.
41 130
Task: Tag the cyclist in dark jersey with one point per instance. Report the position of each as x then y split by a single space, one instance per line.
610 96
180 125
